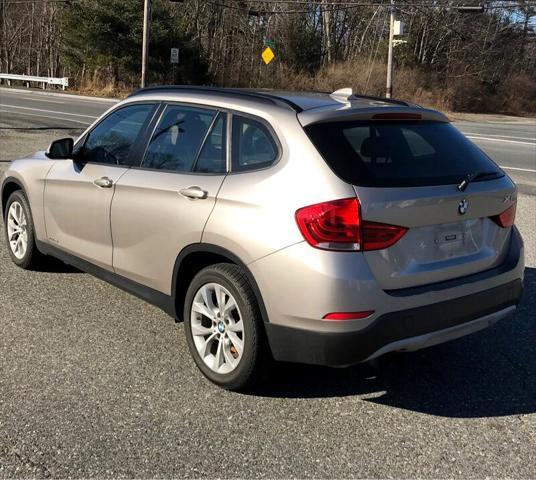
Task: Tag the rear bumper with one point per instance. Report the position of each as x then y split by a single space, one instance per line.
402 330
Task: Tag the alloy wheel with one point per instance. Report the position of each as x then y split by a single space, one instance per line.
217 328
17 230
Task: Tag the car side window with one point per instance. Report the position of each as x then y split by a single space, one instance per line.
212 158
178 137
253 145
112 139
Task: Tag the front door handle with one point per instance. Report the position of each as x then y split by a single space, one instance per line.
104 182
194 192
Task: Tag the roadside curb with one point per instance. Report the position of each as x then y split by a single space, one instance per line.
490 118
524 122
57 94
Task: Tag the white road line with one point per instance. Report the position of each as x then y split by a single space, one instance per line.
66 96
69 99
47 116
518 169
47 111
500 140
509 137
32 99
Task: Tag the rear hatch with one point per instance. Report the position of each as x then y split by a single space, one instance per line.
407 171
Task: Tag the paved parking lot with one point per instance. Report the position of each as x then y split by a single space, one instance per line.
96 383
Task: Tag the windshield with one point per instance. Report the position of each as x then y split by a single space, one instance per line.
399 154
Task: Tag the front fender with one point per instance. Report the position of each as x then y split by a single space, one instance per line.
29 174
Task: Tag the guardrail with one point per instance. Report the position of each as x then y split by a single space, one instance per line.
63 82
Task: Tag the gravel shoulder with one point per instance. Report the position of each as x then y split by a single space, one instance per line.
492 118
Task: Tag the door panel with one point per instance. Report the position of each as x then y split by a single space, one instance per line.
78 194
77 211
152 222
161 208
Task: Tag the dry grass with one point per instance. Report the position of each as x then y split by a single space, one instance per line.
98 85
515 96
518 94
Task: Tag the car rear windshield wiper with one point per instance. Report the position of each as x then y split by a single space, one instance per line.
475 176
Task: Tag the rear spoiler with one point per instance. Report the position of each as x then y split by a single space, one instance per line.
345 113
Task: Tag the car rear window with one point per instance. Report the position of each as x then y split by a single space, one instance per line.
398 154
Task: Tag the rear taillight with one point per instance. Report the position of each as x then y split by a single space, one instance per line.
337 225
506 219
331 225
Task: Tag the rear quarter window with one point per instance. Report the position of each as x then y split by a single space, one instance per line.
398 154
253 146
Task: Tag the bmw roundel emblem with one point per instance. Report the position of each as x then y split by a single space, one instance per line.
463 206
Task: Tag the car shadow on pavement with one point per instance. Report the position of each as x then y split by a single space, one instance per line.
53 265
490 373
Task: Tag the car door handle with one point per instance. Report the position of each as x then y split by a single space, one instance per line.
193 192
104 182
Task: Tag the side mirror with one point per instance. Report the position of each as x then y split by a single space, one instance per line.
60 149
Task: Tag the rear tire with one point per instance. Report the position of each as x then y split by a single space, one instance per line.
224 329
20 232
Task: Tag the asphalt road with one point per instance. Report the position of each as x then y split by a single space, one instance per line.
511 145
54 110
96 383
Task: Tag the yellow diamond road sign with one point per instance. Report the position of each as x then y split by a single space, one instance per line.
268 55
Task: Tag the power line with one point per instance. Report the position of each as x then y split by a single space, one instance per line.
320 6
9 2
501 4
352 3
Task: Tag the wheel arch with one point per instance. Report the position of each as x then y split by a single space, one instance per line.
197 256
9 185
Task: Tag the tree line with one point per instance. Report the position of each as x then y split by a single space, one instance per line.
449 58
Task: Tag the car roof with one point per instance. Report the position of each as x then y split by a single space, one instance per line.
312 99
221 94
310 106
298 101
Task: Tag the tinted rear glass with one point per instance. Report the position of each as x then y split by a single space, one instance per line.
405 154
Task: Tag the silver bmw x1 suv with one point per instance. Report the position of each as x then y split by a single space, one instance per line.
304 227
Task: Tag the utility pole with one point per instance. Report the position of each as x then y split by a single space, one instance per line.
146 34
389 85
396 27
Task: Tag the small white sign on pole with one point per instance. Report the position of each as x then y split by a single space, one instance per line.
174 58
398 27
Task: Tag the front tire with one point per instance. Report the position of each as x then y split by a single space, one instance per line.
20 232
224 329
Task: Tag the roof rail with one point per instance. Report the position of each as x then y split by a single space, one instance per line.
345 95
236 92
